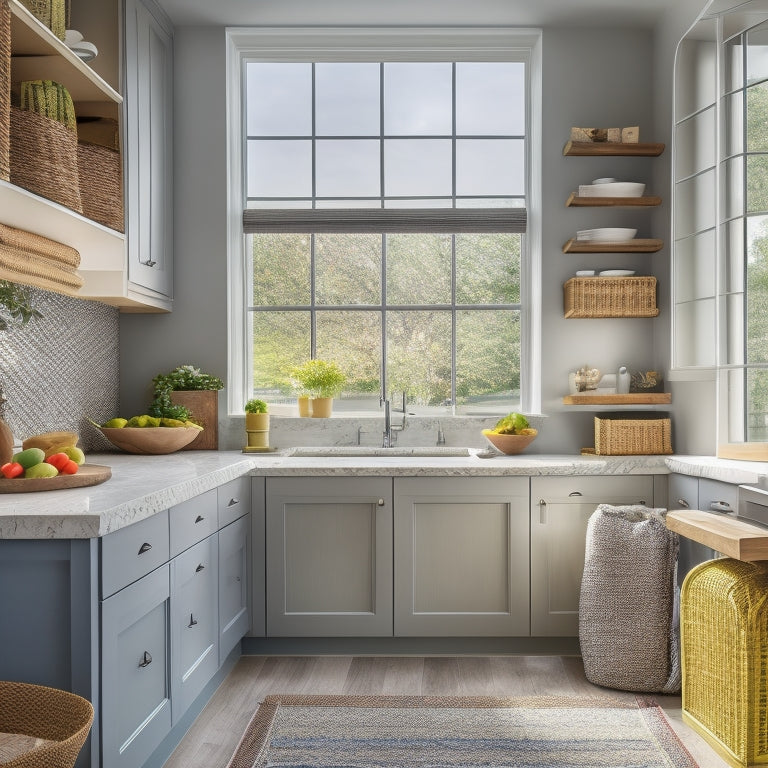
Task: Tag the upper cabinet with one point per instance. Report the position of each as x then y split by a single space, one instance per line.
105 263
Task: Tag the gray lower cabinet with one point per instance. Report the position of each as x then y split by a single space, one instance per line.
560 510
234 548
135 680
461 556
329 556
194 622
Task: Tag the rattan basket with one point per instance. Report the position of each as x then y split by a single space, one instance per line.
43 158
5 89
53 13
41 727
724 643
101 184
610 297
620 436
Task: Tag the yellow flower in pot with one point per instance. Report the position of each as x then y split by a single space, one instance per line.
257 423
322 380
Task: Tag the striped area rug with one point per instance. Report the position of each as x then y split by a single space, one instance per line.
294 731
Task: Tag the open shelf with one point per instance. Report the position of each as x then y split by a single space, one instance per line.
574 201
612 148
723 533
633 398
638 245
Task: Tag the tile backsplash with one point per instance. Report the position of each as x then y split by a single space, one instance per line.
62 369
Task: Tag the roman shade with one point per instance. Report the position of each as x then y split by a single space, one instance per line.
385 220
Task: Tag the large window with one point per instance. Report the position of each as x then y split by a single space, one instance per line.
385 208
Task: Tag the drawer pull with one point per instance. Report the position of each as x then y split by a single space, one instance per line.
192 621
720 506
575 493
683 503
199 568
146 659
145 547
199 519
232 502
542 512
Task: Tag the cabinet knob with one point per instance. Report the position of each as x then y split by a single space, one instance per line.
232 502
145 547
146 659
721 506
199 568
683 503
192 621
380 502
199 519
149 263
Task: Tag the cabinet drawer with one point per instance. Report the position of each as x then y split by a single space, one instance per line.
234 620
716 496
194 622
136 701
234 500
132 552
600 489
192 521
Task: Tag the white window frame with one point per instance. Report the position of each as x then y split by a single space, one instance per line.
381 44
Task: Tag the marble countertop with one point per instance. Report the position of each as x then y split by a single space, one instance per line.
141 486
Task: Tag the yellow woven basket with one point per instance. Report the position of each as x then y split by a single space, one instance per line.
724 645
632 437
610 297
5 95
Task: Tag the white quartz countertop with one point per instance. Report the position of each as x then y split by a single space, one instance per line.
141 486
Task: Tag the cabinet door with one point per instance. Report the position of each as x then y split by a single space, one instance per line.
194 622
148 117
560 510
329 556
234 548
135 696
461 556
192 521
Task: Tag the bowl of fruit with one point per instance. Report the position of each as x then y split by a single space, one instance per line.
149 435
511 435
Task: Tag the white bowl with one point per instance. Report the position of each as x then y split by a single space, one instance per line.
606 180
585 273
606 234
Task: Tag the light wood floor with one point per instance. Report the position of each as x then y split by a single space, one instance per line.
213 737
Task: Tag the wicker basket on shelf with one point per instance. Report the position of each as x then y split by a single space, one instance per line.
618 436
41 727
5 92
610 297
43 158
53 13
101 185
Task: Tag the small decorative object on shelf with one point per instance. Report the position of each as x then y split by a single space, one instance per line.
629 135
646 381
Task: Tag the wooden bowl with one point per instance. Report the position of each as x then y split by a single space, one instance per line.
150 440
508 444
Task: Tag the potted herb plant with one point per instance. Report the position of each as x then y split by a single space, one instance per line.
322 381
186 392
257 423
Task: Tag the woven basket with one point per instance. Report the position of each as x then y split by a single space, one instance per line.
44 158
41 727
610 297
101 184
53 13
632 437
5 89
724 640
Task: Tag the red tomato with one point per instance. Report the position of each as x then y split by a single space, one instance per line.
63 463
12 469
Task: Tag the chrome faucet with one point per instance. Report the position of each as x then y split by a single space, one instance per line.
389 436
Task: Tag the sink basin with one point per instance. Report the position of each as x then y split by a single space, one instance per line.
365 450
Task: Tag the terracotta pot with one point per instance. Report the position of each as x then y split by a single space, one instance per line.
304 409
322 407
203 404
257 428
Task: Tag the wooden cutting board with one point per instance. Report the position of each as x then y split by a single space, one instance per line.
88 474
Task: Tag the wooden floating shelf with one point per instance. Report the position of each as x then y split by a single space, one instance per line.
723 533
633 398
638 245
612 148
575 201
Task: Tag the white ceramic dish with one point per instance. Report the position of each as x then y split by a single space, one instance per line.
617 273
605 180
606 234
613 189
585 273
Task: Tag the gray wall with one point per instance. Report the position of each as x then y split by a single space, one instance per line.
590 77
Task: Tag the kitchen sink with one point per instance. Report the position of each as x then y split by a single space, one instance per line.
365 450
